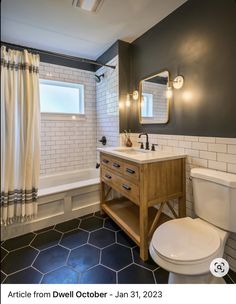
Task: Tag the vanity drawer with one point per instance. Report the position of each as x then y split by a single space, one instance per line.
106 160
131 172
127 188
107 176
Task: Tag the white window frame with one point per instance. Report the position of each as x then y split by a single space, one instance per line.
65 116
148 111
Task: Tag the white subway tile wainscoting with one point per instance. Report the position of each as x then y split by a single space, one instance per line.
208 152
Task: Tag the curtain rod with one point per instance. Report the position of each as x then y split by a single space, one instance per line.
69 57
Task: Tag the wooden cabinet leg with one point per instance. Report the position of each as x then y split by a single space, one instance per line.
143 233
182 206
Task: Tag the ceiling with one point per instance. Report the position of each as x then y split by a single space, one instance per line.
55 25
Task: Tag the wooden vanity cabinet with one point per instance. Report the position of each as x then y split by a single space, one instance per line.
141 186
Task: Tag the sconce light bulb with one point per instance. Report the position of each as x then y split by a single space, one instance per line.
135 95
178 82
169 92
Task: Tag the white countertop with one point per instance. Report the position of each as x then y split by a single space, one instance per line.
141 156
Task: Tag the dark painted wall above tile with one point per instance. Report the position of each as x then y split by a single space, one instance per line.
198 41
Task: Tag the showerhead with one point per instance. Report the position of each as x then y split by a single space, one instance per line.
98 77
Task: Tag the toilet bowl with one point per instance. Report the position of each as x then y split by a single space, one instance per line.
186 247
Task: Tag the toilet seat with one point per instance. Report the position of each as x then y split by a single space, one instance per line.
185 246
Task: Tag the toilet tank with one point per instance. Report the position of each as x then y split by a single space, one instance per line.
214 194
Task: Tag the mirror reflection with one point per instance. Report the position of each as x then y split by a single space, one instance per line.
154 104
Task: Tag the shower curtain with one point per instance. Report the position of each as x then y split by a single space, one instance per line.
20 135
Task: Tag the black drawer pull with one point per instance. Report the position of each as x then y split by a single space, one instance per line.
116 165
108 176
126 187
105 161
130 171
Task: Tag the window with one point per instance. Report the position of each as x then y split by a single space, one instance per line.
147 105
61 97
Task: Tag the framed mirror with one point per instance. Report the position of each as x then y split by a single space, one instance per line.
153 101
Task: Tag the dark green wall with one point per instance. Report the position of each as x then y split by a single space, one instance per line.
198 40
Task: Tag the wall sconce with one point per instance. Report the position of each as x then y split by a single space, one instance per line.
177 84
135 95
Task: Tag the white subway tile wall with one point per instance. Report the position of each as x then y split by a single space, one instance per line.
107 101
209 152
69 144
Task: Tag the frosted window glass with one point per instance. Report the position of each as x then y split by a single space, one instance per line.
61 97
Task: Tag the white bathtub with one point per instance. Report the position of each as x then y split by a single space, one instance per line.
62 197
61 182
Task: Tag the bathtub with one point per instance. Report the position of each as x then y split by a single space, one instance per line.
61 197
60 182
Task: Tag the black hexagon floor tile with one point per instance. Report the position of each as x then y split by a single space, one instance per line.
26 276
91 223
149 264
46 239
98 275
18 242
101 215
3 276
44 229
3 253
110 224
122 238
116 257
67 226
161 276
85 216
102 238
74 238
63 275
135 274
51 259
84 257
18 259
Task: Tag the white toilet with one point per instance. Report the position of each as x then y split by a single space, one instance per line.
185 247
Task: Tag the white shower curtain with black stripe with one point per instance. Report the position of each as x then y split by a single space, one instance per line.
20 135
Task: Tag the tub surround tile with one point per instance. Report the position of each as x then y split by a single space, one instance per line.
26 276
98 275
51 258
63 275
74 238
18 242
46 239
134 274
67 226
86 263
18 259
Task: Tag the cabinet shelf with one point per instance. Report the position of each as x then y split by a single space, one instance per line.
126 215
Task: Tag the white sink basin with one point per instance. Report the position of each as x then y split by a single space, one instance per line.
132 150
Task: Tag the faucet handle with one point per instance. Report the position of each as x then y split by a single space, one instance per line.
141 144
153 147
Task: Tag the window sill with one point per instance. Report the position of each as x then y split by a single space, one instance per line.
60 116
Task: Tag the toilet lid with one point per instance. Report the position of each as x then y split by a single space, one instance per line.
185 239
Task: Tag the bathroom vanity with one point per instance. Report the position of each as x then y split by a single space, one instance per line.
142 180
